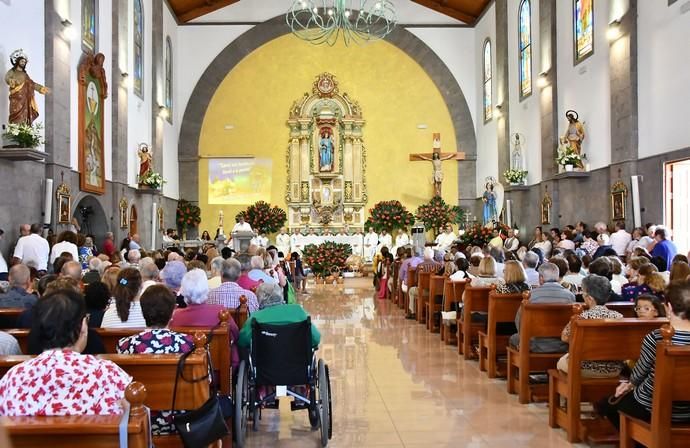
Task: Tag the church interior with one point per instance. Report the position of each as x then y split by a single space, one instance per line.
412 173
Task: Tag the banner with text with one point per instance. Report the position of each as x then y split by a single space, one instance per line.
239 181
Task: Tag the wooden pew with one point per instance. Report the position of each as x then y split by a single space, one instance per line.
473 299
97 431
452 293
502 309
411 281
435 289
592 340
157 373
627 309
672 368
536 320
219 347
393 294
424 280
9 316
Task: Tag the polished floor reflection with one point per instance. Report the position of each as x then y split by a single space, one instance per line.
395 385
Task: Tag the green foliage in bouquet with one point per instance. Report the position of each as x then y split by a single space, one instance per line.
478 235
437 213
188 214
389 215
321 259
264 218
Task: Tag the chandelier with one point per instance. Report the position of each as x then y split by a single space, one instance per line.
358 21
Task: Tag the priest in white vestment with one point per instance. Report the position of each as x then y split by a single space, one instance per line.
242 226
296 241
283 242
358 244
385 239
401 239
371 240
445 239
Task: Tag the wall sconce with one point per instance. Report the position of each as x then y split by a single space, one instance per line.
499 107
163 112
126 81
543 79
68 30
614 32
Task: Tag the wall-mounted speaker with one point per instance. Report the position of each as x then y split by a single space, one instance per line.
635 190
48 203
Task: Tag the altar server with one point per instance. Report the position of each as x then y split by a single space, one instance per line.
283 241
371 240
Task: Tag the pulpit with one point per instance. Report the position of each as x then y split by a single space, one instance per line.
241 241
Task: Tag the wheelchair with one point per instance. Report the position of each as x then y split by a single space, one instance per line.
282 356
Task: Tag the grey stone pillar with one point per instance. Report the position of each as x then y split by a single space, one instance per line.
502 83
548 96
119 93
157 83
624 104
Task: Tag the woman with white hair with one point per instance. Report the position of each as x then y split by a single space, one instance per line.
171 276
198 313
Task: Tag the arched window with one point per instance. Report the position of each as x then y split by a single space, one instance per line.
525 39
583 28
488 104
138 40
169 77
89 25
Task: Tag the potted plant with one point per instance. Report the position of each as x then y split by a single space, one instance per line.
151 180
515 177
23 135
568 159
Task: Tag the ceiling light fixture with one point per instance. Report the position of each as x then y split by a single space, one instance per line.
324 21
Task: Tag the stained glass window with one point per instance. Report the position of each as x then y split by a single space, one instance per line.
89 25
138 82
168 77
583 13
488 105
525 39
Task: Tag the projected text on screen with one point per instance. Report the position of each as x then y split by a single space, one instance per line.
239 181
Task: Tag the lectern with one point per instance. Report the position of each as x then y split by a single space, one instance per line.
241 241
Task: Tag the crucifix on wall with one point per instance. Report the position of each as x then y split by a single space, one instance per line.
436 158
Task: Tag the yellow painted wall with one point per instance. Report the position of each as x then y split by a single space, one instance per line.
393 90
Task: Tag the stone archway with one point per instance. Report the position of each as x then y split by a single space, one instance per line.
215 73
91 217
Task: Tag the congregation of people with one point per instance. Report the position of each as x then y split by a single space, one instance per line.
594 266
70 288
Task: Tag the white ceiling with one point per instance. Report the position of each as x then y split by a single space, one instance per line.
262 10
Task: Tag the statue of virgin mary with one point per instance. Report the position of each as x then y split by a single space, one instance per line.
326 150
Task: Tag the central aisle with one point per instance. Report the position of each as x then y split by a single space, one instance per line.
395 385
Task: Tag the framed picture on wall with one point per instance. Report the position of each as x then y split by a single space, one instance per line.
124 206
161 220
64 200
619 193
546 209
92 94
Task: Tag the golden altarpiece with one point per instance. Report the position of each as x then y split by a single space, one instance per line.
326 159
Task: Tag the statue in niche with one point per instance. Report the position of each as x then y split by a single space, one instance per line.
326 150
516 155
23 108
145 160
574 134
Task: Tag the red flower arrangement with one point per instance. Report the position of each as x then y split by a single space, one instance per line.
389 215
479 235
264 218
321 259
188 214
437 213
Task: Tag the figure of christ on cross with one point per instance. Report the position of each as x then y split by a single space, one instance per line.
436 158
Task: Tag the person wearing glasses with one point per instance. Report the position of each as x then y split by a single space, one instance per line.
648 306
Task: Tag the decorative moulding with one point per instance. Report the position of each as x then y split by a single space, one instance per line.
572 175
18 154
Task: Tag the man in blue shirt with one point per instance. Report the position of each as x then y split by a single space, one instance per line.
663 247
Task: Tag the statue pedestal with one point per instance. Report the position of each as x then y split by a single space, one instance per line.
18 154
241 241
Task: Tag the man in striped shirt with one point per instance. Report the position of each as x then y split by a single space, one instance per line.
229 292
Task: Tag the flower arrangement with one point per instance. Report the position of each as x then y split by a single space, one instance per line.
264 218
24 135
152 179
321 259
515 176
479 235
437 213
188 214
389 215
567 156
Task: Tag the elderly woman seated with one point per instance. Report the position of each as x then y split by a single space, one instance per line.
487 273
595 291
80 384
272 310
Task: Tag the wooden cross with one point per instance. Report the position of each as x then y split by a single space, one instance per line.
436 162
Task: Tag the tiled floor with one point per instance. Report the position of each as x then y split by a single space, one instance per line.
395 385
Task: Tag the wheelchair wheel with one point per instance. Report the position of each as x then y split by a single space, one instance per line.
324 411
241 405
313 409
330 405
